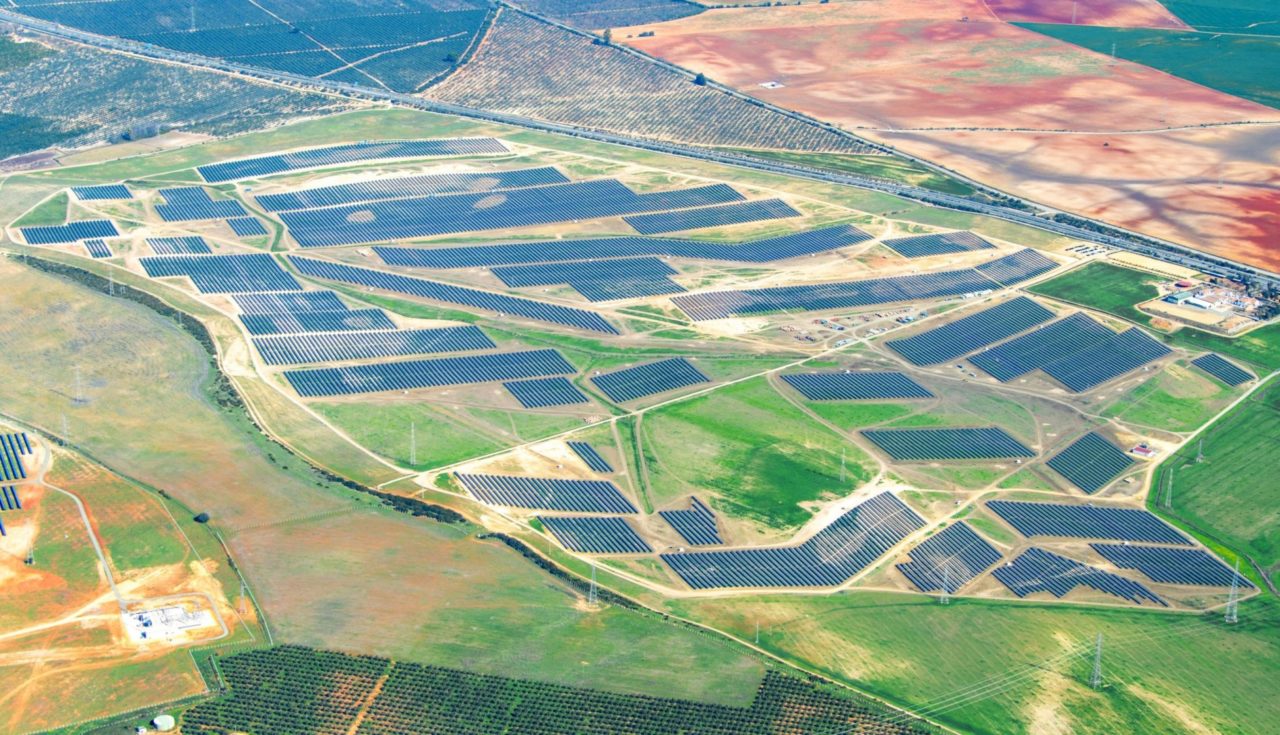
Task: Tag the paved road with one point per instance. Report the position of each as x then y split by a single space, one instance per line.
1019 211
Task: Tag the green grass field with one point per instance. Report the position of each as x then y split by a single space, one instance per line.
1232 495
1235 16
1179 398
1245 66
1010 668
757 452
52 211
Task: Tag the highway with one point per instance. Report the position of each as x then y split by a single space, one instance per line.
1022 211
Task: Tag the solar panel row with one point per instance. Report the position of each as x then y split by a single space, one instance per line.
1090 462
595 534
295 349
277 303
1222 369
436 291
1106 360
338 154
919 246
97 248
240 273
576 496
597 280
9 499
398 219
1016 268
1086 521
247 226
850 544
69 233
317 321
757 251
1038 348
697 525
428 373
915 445
1037 570
972 332
186 203
860 386
839 295
1172 566
696 219
591 457
105 192
403 187
188 245
949 559
545 392
12 449
631 383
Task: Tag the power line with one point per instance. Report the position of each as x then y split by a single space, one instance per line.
1233 602
1095 679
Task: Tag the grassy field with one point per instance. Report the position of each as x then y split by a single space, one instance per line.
1104 287
1231 495
1243 65
1235 16
758 453
1179 398
880 167
53 211
1009 668
858 414
1115 290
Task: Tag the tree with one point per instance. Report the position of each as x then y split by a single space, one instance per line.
700 79
608 36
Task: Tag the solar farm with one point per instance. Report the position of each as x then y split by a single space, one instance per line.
694 389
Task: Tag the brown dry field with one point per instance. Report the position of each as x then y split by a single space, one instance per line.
1021 111
1113 13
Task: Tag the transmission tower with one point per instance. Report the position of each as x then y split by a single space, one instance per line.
1168 490
1095 679
757 632
243 608
79 399
1200 451
593 598
413 443
842 467
1233 602
945 599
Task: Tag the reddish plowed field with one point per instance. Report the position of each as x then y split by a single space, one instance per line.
1114 13
1025 112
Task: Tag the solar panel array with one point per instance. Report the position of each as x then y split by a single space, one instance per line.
12 448
105 192
756 251
696 219
631 383
1222 369
919 246
1037 570
276 303
1038 348
247 226
1172 566
295 349
1106 360
697 525
427 373
850 544
240 273
349 320
186 203
339 154
1086 521
591 457
948 559
69 233
537 310
9 499
596 534
915 445
576 496
859 386
397 219
188 245
1090 462
545 392
1016 268
972 332
98 248
597 280
403 187
839 295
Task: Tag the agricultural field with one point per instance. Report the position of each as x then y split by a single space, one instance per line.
1056 123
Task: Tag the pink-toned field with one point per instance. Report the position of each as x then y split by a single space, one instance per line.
1113 13
1024 112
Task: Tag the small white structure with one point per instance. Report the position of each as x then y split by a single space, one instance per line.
164 723
164 623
